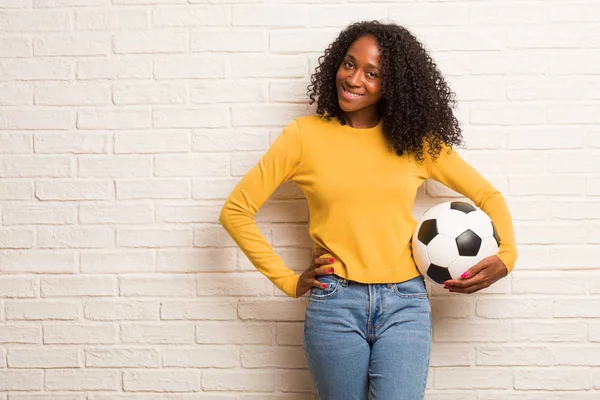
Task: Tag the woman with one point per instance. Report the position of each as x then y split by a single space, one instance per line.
384 124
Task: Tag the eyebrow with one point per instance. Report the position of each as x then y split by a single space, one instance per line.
368 65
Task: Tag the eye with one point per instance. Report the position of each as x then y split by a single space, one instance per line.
347 62
374 74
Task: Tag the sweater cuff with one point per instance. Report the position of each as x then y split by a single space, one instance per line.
290 284
509 261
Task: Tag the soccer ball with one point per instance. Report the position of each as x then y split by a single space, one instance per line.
450 238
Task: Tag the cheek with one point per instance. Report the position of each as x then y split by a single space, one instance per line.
338 76
375 89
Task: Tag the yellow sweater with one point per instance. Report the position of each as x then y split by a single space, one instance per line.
360 197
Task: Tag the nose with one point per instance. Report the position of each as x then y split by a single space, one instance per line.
354 79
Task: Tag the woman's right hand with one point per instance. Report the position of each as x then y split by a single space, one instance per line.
318 266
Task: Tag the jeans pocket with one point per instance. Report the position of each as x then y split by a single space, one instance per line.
414 287
333 284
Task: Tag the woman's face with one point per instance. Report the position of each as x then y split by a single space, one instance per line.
360 74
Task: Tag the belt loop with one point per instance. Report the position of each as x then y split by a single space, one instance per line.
344 282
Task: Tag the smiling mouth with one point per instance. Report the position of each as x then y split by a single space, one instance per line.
350 93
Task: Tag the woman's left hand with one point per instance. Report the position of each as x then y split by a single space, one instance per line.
479 276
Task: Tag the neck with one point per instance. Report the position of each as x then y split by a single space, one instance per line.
361 121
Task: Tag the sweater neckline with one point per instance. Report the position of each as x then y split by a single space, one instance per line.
362 131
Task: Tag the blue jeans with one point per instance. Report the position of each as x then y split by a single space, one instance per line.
368 341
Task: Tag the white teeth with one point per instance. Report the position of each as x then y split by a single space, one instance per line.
352 94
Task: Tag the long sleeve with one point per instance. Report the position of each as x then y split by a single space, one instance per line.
454 172
280 163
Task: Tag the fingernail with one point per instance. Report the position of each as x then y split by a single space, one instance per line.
445 283
331 260
466 274
324 286
452 290
331 271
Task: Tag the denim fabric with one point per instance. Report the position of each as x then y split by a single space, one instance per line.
368 341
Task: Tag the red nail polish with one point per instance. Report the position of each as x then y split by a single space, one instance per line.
465 275
324 286
331 260
331 271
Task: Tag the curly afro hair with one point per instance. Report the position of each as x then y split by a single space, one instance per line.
416 102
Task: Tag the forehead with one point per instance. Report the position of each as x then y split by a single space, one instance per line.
365 49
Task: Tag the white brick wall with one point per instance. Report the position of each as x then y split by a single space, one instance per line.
124 124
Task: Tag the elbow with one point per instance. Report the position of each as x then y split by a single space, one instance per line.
223 216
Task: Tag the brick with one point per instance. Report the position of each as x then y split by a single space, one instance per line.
125 67
213 165
234 284
74 237
248 381
36 119
35 20
166 380
82 380
21 380
167 285
202 357
73 189
70 142
19 286
155 41
37 70
95 44
103 20
181 67
117 261
14 94
229 40
549 331
159 93
41 310
114 310
68 333
208 309
277 310
118 213
554 379
113 119
25 357
198 260
514 355
164 333
469 378
37 261
206 117
202 16
78 285
122 357
19 332
18 166
42 215
235 332
157 237
273 357
270 15
72 94
155 188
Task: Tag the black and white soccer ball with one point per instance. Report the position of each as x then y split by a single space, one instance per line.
450 238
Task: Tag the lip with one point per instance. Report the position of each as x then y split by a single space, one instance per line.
348 97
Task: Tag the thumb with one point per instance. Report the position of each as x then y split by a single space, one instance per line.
474 269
